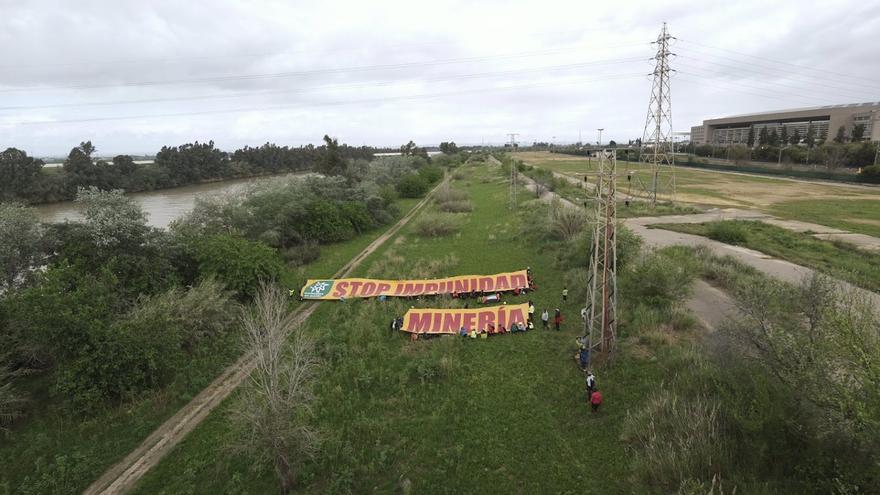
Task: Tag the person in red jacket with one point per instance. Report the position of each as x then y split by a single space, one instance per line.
596 400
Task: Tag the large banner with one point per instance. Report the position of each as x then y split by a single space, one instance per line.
440 321
347 288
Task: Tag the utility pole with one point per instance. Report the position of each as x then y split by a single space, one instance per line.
601 318
513 171
657 145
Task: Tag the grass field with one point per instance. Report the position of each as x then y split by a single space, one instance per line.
838 259
51 451
850 207
447 415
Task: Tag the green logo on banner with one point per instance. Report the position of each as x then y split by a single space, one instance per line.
318 289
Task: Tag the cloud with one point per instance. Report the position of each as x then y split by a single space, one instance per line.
132 77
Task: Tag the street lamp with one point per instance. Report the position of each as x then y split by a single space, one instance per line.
600 136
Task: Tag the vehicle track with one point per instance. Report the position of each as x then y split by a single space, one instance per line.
123 476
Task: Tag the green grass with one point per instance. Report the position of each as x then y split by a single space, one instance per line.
839 259
447 415
64 453
854 215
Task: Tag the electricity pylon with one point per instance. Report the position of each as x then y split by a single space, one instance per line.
657 145
601 316
513 171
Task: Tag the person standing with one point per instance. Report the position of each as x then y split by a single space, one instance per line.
591 384
557 319
531 311
595 400
564 294
545 318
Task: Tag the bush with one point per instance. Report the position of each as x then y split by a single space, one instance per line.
413 186
238 263
456 206
662 278
436 225
676 439
568 222
728 232
431 173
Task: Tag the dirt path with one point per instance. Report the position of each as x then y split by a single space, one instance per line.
125 474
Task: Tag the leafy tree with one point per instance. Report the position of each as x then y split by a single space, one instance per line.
810 138
783 137
773 138
750 140
448 148
114 219
410 149
124 164
841 135
19 173
763 137
193 162
796 137
412 186
331 161
239 263
858 132
20 244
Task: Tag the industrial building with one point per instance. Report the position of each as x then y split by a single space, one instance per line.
825 121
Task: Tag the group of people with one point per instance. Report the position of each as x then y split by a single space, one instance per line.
493 330
557 319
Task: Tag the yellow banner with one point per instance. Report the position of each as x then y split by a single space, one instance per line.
347 288
443 321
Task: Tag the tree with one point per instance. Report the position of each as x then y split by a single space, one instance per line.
18 173
796 137
410 149
413 186
612 143
834 155
113 219
276 404
20 237
79 165
858 132
763 137
783 137
773 138
841 135
819 333
544 181
449 148
331 161
750 140
239 263
810 138
124 164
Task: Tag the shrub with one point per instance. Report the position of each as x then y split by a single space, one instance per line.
412 186
568 223
662 278
676 439
456 206
238 263
728 232
431 173
436 225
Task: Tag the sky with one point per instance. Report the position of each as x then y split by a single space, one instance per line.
134 76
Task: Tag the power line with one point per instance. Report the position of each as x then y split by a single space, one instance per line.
814 83
318 104
311 72
775 61
330 86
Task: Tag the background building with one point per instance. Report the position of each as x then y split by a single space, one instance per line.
823 120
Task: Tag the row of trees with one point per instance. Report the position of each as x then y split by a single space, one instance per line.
23 177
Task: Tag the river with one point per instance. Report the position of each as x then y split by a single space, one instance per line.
162 206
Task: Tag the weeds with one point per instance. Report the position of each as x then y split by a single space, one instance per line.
436 225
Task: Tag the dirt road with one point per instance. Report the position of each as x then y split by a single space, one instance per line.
124 475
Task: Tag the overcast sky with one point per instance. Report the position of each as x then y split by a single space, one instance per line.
133 76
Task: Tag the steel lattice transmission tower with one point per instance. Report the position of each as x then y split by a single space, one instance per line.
513 171
601 316
657 140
